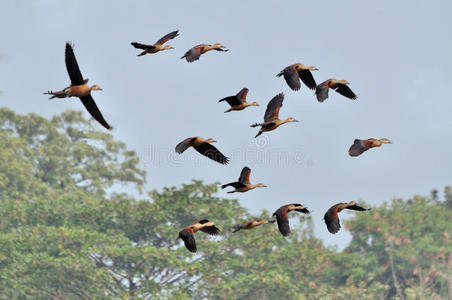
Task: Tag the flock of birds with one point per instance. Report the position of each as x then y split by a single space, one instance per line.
292 74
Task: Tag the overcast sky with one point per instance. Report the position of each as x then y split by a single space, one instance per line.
395 54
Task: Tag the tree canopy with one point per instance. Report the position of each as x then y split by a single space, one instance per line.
66 232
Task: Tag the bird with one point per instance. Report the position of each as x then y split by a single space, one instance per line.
187 234
243 184
204 147
194 53
283 220
158 46
250 224
360 146
341 86
293 73
79 87
271 117
331 216
238 102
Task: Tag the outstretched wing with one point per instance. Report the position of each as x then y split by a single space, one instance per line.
307 78
72 66
344 90
332 221
167 37
241 96
231 100
189 240
358 208
283 221
212 230
357 148
211 152
182 146
91 107
141 46
193 54
236 185
321 91
273 108
292 78
245 175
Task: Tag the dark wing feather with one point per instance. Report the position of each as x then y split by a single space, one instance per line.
72 66
91 106
307 78
357 148
212 230
273 107
211 152
332 223
241 96
189 240
303 210
192 54
141 46
283 222
358 208
237 227
344 90
236 185
292 79
321 91
168 37
245 175
182 146
231 100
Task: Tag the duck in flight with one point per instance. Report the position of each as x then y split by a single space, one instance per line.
204 147
243 185
158 46
79 87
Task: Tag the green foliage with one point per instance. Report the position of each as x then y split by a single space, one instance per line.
66 233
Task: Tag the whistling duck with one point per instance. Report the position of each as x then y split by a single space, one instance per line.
283 220
340 86
271 117
243 185
360 146
195 52
204 147
331 216
293 73
158 46
238 102
187 234
79 87
250 224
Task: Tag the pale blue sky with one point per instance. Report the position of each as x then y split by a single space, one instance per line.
396 54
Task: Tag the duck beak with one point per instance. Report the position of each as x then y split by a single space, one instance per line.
296 121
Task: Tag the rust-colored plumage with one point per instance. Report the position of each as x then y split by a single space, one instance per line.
271 117
293 73
194 53
204 147
79 87
250 224
158 46
340 86
238 102
243 184
361 146
187 234
282 218
331 216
